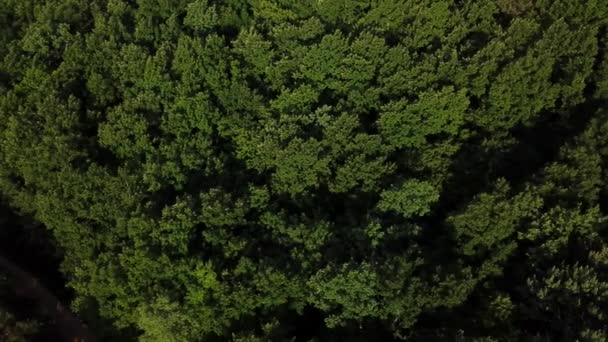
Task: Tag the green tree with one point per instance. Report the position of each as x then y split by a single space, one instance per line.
221 169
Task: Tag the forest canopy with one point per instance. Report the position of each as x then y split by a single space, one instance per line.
268 170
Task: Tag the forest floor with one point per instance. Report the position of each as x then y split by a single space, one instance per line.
26 285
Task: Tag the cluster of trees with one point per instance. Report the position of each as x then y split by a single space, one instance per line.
259 170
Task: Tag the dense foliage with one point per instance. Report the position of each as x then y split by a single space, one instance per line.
268 169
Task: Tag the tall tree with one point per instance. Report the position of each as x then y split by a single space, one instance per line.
221 169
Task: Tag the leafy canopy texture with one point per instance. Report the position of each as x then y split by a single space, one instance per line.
269 169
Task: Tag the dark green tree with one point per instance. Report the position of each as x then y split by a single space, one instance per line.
239 169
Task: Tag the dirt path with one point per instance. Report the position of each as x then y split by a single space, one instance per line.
26 285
